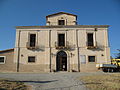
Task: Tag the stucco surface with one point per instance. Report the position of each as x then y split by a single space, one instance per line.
9 65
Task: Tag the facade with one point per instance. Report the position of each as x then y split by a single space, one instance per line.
7 61
61 45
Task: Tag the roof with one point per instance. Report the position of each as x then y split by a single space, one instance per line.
63 26
60 13
7 50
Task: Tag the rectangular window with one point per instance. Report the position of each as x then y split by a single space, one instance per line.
61 22
91 58
61 39
31 59
90 41
82 59
2 59
32 40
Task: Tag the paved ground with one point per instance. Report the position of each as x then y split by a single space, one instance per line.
49 81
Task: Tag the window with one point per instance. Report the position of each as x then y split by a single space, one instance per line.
2 59
61 22
82 59
32 40
31 59
61 39
91 58
90 41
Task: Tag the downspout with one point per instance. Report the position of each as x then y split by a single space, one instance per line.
18 52
95 41
50 48
68 58
77 50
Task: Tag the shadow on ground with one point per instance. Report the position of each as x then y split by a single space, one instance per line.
34 81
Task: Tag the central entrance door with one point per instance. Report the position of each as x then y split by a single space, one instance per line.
61 61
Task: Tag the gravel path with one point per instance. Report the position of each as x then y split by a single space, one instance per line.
49 81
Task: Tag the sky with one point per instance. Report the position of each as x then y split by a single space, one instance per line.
32 12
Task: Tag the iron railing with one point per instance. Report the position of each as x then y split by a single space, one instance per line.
31 46
94 45
67 46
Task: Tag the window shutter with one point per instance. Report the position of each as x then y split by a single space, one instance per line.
28 39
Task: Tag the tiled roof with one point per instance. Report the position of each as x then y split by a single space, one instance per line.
60 13
7 50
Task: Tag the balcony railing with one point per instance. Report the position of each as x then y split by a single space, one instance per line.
31 46
95 45
59 47
67 46
91 45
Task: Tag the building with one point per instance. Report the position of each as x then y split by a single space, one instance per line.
7 61
61 45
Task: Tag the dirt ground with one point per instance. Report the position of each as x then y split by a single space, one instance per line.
50 81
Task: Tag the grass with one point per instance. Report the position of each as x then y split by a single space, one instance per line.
102 82
11 85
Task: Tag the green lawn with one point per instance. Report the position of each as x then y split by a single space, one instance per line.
102 82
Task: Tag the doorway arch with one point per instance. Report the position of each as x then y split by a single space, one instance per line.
61 61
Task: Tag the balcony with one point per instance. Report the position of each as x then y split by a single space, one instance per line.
91 45
31 46
95 46
67 46
59 47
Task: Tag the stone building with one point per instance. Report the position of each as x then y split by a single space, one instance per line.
61 45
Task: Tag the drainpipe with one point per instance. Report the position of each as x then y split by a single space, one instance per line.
18 52
50 48
68 58
77 50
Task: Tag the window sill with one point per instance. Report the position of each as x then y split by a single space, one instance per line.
2 63
91 62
